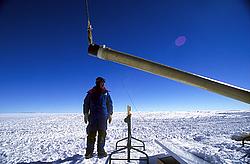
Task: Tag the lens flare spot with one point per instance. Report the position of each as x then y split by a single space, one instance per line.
180 41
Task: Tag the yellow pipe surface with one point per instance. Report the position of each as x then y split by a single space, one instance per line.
171 73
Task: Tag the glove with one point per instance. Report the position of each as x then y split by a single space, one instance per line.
86 118
110 118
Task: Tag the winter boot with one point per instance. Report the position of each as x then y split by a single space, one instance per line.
102 154
88 155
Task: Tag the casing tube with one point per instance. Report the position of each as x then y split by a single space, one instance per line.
169 72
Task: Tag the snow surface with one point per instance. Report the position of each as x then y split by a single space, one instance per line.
61 138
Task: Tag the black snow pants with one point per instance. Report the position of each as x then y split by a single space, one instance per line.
100 141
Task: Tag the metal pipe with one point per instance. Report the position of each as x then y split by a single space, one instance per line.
172 73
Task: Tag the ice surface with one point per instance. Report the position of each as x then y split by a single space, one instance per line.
61 138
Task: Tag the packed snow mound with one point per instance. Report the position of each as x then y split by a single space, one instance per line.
61 138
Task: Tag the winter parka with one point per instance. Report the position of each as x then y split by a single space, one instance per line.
99 106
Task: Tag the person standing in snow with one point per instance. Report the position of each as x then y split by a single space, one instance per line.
97 109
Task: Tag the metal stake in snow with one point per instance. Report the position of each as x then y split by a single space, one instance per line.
172 73
129 146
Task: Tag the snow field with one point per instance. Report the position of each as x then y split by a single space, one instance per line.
61 138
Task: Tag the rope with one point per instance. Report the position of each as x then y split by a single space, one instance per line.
87 10
140 116
90 38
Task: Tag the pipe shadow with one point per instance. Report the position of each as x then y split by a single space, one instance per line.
72 160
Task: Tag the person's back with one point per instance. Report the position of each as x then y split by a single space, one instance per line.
98 99
97 109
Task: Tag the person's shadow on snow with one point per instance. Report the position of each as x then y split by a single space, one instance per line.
74 159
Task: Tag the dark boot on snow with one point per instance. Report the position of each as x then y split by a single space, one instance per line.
102 154
89 154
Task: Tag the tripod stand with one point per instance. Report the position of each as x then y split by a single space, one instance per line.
128 146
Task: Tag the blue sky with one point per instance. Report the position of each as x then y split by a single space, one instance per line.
44 64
